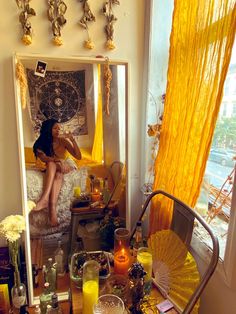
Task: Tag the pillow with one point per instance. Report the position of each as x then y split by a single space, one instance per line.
31 161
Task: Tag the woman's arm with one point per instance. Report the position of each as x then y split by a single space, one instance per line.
43 157
72 146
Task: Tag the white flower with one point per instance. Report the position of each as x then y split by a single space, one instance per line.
12 226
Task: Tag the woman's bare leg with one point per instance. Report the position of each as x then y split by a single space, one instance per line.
56 187
49 179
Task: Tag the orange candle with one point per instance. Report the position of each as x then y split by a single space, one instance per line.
121 262
95 197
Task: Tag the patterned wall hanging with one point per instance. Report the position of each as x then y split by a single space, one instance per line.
87 17
26 12
109 28
58 95
56 11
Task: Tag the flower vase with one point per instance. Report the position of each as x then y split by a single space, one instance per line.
18 291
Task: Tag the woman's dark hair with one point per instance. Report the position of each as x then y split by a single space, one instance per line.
44 141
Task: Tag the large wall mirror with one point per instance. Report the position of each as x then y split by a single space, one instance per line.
89 98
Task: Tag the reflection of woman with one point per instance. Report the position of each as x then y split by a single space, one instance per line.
52 148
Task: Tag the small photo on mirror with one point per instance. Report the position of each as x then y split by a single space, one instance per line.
40 69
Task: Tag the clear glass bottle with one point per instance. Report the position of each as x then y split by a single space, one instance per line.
106 193
138 238
60 259
45 298
51 275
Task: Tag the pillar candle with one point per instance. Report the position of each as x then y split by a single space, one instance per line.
121 261
90 296
145 258
77 191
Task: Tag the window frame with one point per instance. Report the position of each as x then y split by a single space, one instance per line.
225 267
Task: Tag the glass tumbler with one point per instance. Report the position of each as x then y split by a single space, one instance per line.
109 304
122 256
90 285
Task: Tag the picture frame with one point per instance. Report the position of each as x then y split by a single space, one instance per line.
40 69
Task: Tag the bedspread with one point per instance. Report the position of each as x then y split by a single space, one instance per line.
39 222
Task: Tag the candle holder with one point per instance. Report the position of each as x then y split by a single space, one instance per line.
121 251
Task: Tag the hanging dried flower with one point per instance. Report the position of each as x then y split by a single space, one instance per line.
21 77
56 11
89 44
107 80
26 12
87 17
111 19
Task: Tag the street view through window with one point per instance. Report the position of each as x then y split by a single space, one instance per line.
214 202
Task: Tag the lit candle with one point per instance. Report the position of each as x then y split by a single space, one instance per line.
121 261
90 296
77 191
95 197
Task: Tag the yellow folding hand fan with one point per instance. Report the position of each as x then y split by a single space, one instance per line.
174 268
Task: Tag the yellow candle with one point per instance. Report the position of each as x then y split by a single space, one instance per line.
121 262
145 258
77 191
90 296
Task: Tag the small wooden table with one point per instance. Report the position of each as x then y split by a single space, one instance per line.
84 213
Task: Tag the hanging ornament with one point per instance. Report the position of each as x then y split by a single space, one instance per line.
111 19
26 12
56 11
87 17
107 80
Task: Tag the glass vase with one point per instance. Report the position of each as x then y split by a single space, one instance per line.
18 295
18 291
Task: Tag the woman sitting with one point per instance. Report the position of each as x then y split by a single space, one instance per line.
53 148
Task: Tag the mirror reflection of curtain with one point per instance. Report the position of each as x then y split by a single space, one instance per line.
201 42
97 150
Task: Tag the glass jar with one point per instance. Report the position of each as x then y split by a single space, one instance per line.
122 256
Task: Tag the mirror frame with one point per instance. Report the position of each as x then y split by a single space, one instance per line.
20 136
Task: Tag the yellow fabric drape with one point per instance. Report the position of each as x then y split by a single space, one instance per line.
97 150
201 42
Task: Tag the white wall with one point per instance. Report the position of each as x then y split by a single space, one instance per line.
129 39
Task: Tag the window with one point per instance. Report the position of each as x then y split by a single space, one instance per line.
214 203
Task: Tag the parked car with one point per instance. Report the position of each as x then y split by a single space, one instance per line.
223 156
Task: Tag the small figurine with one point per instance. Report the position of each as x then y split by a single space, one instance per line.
136 275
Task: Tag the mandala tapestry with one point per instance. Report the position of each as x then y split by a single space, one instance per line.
58 95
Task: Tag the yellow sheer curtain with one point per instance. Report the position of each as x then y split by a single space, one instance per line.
97 150
201 42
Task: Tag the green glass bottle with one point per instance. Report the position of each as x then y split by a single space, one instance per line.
45 298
